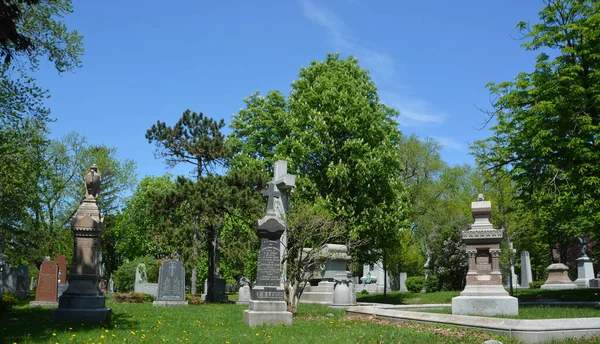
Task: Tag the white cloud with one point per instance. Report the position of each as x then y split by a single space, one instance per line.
413 110
450 142
379 63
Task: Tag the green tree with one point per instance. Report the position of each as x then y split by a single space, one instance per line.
546 135
340 141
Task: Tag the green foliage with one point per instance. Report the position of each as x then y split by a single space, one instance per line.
125 276
193 299
545 135
364 292
7 302
132 297
432 284
340 141
415 284
536 284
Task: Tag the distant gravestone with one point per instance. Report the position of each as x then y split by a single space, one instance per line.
62 268
14 280
47 288
403 282
526 275
171 284
141 284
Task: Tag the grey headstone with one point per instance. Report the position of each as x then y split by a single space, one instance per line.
171 281
403 281
526 275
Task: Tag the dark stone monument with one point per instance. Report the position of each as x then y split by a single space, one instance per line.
171 284
47 288
267 304
83 300
14 280
22 281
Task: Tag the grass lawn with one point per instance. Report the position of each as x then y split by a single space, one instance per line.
540 312
221 323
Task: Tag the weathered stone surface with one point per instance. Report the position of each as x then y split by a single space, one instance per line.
171 285
585 272
243 295
485 305
558 278
343 293
526 275
141 284
47 289
403 282
267 313
15 280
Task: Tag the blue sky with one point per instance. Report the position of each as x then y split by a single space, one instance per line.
151 60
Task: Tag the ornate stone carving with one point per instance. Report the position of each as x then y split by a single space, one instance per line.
92 182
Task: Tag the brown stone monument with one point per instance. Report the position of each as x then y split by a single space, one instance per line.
47 289
62 268
484 293
83 300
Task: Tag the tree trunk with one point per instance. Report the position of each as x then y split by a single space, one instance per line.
384 277
194 278
210 246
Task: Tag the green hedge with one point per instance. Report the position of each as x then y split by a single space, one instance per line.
415 284
432 284
125 276
536 284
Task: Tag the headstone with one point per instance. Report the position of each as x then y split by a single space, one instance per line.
83 301
513 275
558 278
333 260
111 285
343 294
585 267
47 289
267 304
244 295
526 275
403 282
219 287
62 268
484 293
378 279
141 284
171 284
22 281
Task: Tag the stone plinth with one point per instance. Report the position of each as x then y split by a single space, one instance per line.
171 285
83 301
558 278
585 272
267 312
343 294
483 293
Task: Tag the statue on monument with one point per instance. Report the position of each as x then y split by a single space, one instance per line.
92 182
583 244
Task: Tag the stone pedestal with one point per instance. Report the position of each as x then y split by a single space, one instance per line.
334 260
585 272
267 312
558 278
343 294
484 293
83 300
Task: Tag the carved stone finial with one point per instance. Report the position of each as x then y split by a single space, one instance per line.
480 198
92 183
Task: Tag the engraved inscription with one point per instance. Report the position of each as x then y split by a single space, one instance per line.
268 263
269 294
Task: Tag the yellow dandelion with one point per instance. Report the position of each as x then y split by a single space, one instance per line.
133 333
54 335
106 331
257 334
114 335
102 336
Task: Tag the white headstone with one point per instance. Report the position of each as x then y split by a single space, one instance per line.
525 270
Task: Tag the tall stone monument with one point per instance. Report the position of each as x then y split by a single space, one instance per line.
83 300
284 183
526 275
267 304
171 284
484 293
585 267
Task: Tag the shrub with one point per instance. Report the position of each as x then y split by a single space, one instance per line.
125 275
536 284
193 299
133 297
364 292
415 284
432 284
7 302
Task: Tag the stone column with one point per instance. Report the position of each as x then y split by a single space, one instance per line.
472 265
495 253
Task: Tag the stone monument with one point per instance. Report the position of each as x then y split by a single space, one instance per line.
47 288
267 304
558 278
333 259
244 292
513 275
15 280
585 267
343 293
403 282
141 284
379 279
526 275
83 300
171 285
218 292
484 293
284 183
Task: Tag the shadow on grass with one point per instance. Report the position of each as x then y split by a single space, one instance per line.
26 323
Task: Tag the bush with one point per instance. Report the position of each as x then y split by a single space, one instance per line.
7 301
415 284
536 284
193 299
125 275
364 292
432 284
133 297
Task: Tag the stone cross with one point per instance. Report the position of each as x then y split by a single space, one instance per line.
271 192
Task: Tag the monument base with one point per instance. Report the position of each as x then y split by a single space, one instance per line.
80 314
267 313
485 305
321 294
585 272
43 304
169 303
561 286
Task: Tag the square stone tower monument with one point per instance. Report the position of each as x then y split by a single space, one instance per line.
484 293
